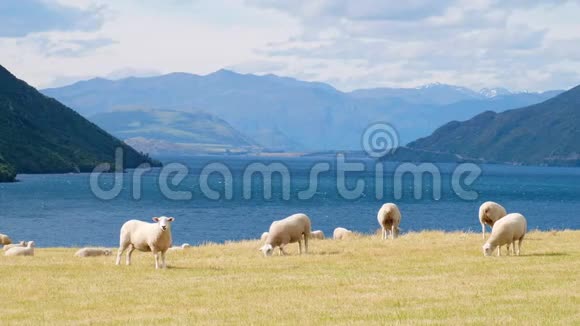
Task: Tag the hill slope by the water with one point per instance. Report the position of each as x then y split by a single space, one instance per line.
545 133
40 135
173 131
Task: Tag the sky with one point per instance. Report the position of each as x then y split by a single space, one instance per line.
517 44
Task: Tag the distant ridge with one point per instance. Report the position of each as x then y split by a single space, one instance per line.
40 135
289 114
547 133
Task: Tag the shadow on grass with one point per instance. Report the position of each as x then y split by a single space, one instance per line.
179 267
546 254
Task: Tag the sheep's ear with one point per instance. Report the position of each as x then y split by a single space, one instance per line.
155 219
170 219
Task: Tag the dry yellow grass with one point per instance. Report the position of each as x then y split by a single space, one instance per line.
420 278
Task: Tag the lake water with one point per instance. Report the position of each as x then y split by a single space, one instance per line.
61 210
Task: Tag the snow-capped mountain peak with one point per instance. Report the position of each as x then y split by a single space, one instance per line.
493 92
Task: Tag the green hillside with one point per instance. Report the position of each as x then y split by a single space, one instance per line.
40 135
547 134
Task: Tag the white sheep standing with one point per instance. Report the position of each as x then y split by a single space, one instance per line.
14 245
341 233
318 234
182 247
93 252
293 228
21 251
264 236
507 230
489 213
146 237
4 239
389 217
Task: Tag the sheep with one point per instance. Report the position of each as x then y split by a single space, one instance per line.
4 239
264 236
341 234
21 251
147 237
182 247
317 235
293 228
20 244
507 230
389 217
93 252
489 213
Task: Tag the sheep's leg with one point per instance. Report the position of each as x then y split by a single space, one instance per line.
383 233
508 248
156 256
306 244
393 236
498 251
122 249
163 265
282 252
129 253
300 246
483 230
520 245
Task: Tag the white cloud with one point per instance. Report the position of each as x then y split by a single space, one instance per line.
369 43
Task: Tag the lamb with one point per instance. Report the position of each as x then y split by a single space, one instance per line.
341 234
489 213
4 239
182 247
317 235
293 228
507 230
389 217
264 236
14 245
93 252
21 251
147 237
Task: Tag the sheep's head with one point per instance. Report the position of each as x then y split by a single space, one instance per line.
267 249
31 244
487 249
108 252
164 222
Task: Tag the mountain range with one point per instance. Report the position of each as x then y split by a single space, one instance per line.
547 133
40 135
283 113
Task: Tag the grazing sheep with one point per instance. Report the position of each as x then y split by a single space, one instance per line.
264 236
20 244
4 239
182 247
341 234
317 235
93 252
389 217
21 251
507 230
147 237
292 229
489 213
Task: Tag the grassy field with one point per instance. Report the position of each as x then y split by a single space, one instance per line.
420 278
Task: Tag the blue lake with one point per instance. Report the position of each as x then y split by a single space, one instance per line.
61 210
